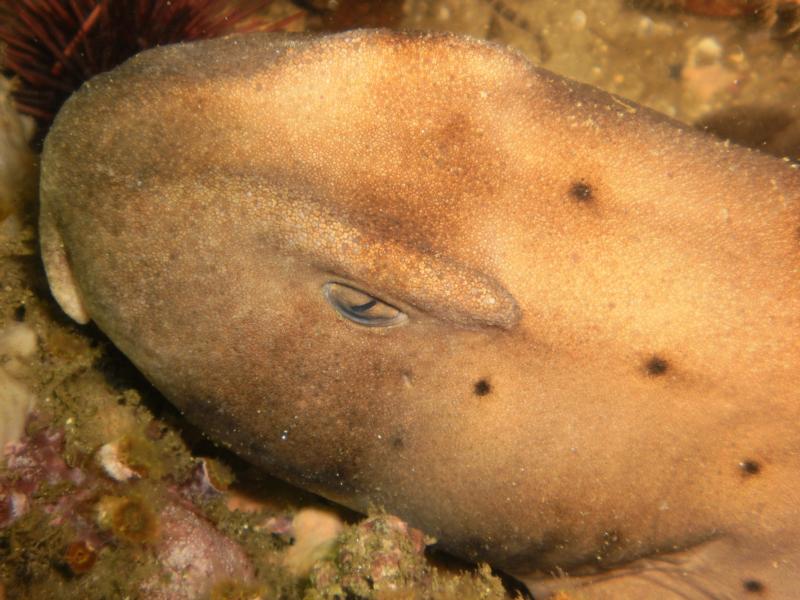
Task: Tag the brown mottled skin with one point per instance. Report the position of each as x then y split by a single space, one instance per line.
600 369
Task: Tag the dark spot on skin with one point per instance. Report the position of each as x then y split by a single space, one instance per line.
675 71
656 366
19 313
582 192
753 585
482 387
750 467
398 443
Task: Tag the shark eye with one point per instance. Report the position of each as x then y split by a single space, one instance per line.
362 308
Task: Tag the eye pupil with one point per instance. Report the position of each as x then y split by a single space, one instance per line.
361 308
364 307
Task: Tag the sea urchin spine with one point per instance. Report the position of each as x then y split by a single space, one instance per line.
53 46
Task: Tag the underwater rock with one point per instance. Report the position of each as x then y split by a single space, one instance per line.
32 464
379 555
193 557
176 552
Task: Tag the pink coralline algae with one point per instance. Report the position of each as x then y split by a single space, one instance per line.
97 512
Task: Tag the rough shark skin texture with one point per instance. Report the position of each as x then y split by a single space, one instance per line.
599 369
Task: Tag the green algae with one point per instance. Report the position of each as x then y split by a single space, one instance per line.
33 564
381 558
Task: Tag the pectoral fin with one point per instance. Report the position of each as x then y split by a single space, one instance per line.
59 272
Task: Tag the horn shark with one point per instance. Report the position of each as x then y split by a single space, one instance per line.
552 328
